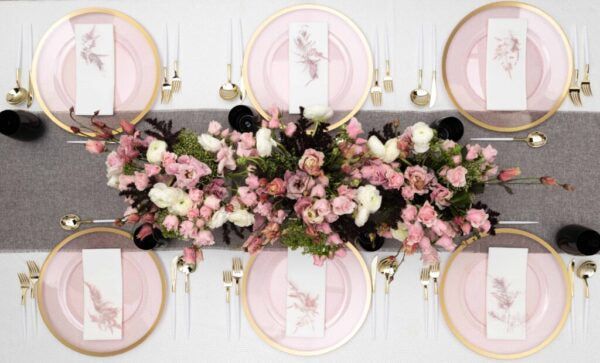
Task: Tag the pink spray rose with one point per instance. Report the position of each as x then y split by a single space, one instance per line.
477 217
171 222
311 162
441 196
427 215
509 174
418 178
354 128
204 238
457 176
248 197
141 181
343 205
214 128
276 187
290 129
473 152
489 154
409 214
95 146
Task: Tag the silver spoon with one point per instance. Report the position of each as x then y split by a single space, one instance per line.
72 222
534 139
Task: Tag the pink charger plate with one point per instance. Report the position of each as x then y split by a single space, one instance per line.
548 67
60 291
463 295
137 68
348 297
267 61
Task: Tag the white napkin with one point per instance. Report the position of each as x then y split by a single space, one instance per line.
308 65
506 79
506 293
95 69
102 294
305 296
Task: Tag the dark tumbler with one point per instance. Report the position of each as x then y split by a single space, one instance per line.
242 119
578 240
20 125
449 128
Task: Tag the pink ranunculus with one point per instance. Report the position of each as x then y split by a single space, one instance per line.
441 196
248 197
311 162
409 214
477 217
418 178
127 127
473 152
276 187
394 179
151 169
189 255
95 146
354 128
457 176
212 202
343 205
187 229
489 154
204 238
205 212
225 159
290 129
446 243
141 180
509 174
297 184
214 128
427 215
196 195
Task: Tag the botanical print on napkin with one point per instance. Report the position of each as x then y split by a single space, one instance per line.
308 65
102 294
506 78
506 293
95 69
305 315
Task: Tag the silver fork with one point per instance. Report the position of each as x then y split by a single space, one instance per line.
434 273
228 284
425 283
238 274
25 285
34 276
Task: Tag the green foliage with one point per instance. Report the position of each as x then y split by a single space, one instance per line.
187 144
130 169
294 236
160 217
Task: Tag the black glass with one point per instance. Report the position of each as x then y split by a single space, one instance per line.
21 125
243 119
370 241
578 240
449 128
155 239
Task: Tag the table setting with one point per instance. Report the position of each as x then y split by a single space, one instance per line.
301 194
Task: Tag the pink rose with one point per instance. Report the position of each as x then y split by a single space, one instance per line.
509 174
214 128
427 215
248 197
394 180
204 238
473 152
187 229
441 228
354 128
489 154
196 195
205 212
415 234
290 129
252 181
418 178
457 176
212 202
151 169
343 205
448 144
477 217
408 192
125 181
441 196
311 162
276 187
141 181
95 146
409 214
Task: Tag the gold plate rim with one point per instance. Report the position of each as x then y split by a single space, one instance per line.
72 14
558 102
263 113
265 338
39 292
550 337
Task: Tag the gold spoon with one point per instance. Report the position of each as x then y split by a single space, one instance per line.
585 271
228 90
387 267
17 95
534 139
420 96
71 222
186 269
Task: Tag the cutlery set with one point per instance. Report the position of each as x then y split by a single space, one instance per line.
585 86
534 139
430 275
19 94
185 264
388 81
170 85
230 91
28 284
584 271
232 280
386 267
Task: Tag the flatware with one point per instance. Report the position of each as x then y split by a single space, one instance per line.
376 93
30 80
241 86
71 222
25 285
425 283
174 268
572 282
387 267
518 222
374 263
434 274
586 86
586 270
388 82
187 269
420 96
574 88
433 92
228 90
238 274
85 141
34 276
176 80
534 139
228 284
18 94
165 95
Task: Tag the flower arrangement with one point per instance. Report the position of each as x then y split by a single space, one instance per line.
300 185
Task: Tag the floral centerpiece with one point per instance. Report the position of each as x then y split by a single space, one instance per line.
300 185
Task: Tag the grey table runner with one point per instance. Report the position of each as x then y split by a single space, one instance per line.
42 180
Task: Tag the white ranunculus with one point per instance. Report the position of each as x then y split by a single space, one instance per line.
182 204
318 113
388 152
421 136
362 215
264 142
241 218
209 143
162 195
113 181
368 197
218 219
400 232
156 150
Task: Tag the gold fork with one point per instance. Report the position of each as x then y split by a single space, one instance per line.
376 89
176 80
25 285
165 96
238 274
574 88
388 82
34 276
586 86
228 284
434 273
425 283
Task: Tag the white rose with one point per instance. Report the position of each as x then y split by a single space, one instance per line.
400 232
209 143
113 181
362 215
368 197
162 195
421 136
218 219
182 204
241 218
318 113
388 152
156 150
264 142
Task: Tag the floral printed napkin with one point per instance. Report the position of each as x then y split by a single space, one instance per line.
506 293
308 65
102 294
305 296
95 69
506 79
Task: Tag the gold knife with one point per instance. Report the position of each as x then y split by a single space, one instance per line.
572 280
374 263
